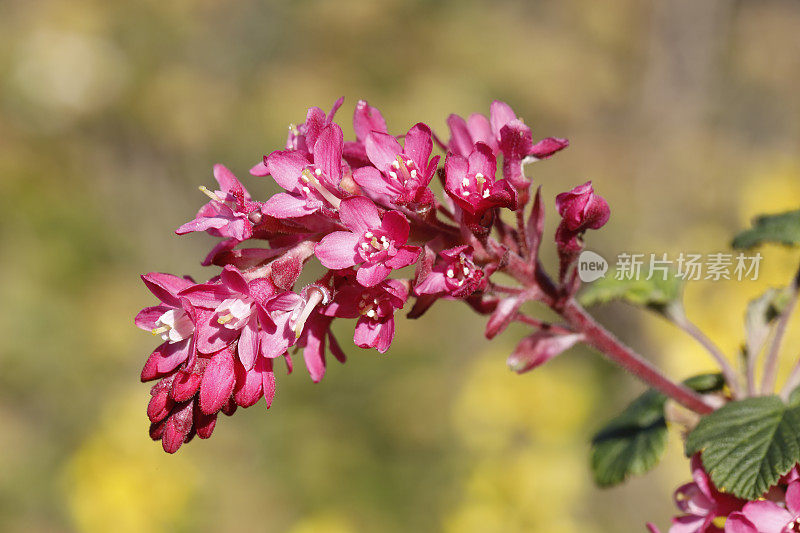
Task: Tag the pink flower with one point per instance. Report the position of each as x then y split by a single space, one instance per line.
702 503
366 119
377 244
502 132
537 349
374 307
310 186
303 138
233 308
471 184
454 275
230 213
764 516
173 320
401 174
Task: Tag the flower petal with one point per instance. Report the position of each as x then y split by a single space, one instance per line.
338 250
382 150
418 145
371 275
359 214
218 382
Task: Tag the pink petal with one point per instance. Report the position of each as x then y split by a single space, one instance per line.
248 343
314 357
234 280
687 524
482 160
286 167
767 516
455 170
166 287
371 275
165 358
147 317
328 154
338 250
202 224
460 139
385 335
547 147
405 256
177 428
793 497
500 114
382 150
375 185
228 182
481 130
418 145
260 169
367 119
208 295
433 284
396 225
738 523
218 382
283 205
336 350
359 214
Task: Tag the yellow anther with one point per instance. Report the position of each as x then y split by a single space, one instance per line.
210 194
159 331
225 318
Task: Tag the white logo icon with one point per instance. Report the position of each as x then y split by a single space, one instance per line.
591 266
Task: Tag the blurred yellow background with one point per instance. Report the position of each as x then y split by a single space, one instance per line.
684 113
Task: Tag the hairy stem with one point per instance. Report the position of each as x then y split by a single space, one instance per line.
731 376
605 342
771 360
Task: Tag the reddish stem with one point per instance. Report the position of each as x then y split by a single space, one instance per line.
604 341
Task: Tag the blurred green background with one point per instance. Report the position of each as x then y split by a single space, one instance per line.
685 114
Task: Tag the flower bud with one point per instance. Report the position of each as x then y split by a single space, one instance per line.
539 348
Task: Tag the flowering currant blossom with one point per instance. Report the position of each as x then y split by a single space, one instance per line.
702 505
502 132
454 275
303 138
310 186
374 307
230 213
171 320
235 309
364 209
471 184
400 174
377 244
764 516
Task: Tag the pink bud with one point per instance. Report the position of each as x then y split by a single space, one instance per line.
539 348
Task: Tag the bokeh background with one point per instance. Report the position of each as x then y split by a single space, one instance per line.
685 114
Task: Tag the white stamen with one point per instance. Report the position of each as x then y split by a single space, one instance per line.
486 193
368 235
465 194
450 274
465 182
393 174
174 326
371 313
409 162
233 313
465 270
479 176
306 189
413 174
318 171
396 165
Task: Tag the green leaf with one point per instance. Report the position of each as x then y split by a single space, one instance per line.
783 228
748 445
655 293
635 440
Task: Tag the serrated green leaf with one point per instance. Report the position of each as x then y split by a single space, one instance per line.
634 441
748 445
783 228
655 293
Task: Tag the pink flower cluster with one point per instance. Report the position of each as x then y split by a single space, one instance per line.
707 510
365 210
